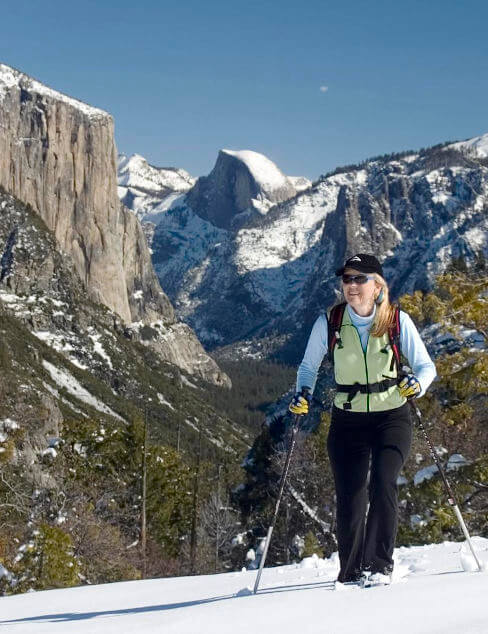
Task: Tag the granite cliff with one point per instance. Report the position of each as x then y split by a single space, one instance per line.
58 155
242 184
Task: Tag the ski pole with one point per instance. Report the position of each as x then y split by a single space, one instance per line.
450 495
296 424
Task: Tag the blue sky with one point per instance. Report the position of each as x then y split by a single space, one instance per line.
311 84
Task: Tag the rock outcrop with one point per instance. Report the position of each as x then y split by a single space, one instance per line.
241 184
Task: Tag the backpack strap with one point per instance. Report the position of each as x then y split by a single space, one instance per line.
394 337
334 323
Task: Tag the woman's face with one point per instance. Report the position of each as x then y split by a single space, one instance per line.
360 296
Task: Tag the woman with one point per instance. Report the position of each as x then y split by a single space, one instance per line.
370 415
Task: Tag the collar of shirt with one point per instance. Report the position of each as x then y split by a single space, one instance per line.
357 320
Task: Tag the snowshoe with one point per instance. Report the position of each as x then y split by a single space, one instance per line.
370 580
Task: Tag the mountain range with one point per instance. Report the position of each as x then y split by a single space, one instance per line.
248 258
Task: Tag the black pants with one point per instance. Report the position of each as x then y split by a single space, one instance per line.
354 439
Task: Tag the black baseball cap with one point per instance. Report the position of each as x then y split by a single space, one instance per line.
362 262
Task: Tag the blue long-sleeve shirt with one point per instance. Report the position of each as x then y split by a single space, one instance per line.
412 346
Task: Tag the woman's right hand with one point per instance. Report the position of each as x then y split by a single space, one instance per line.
300 402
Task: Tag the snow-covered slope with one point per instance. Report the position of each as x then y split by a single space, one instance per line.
300 182
149 190
430 595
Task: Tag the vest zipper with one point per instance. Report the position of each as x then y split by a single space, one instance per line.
365 363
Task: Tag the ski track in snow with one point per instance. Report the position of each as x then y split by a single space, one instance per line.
435 597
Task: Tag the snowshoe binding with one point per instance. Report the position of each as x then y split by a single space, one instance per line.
370 580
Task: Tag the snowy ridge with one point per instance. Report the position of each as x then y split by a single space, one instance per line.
10 78
300 182
478 146
430 594
136 172
147 190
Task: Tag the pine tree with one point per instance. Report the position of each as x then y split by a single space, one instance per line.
47 561
312 546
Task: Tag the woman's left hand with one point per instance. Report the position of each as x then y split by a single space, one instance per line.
409 387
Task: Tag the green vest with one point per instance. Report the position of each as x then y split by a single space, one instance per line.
354 365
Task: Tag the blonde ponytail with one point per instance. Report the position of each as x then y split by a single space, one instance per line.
385 312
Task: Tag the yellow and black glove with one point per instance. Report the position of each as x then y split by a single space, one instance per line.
409 387
300 402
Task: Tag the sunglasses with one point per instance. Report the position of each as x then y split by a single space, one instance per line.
356 279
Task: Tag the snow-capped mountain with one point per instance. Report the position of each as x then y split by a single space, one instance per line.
149 190
242 185
236 275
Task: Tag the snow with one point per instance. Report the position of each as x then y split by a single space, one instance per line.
417 520
187 382
430 594
64 379
98 348
11 78
150 190
309 511
300 183
454 462
192 425
163 401
268 176
138 173
424 474
50 451
274 257
9 424
278 259
478 146
59 343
